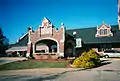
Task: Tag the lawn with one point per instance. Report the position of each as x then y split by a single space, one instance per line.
33 64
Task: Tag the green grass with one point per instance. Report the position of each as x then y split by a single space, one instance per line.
33 64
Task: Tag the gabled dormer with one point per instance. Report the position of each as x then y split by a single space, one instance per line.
103 30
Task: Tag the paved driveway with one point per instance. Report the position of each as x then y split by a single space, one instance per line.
110 71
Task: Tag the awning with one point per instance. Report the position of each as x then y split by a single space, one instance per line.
12 49
42 47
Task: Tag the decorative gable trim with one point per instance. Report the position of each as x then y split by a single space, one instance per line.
46 23
103 25
103 30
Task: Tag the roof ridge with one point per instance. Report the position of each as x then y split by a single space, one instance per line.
88 27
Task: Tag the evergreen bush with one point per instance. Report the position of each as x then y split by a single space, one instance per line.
88 59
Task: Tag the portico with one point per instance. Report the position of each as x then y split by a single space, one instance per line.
46 40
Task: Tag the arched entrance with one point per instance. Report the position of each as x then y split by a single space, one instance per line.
69 49
46 46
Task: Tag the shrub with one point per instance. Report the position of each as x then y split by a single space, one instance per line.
87 60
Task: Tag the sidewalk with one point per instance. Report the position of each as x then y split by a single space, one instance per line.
39 71
4 60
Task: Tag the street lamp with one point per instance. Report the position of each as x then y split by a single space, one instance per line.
74 35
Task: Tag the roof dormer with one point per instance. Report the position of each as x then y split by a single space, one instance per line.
103 30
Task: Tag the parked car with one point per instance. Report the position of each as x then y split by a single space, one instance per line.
111 53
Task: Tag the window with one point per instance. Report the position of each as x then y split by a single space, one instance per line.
117 51
109 51
103 32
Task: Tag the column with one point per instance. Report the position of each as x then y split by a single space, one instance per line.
33 48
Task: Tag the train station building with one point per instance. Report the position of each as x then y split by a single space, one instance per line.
49 42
